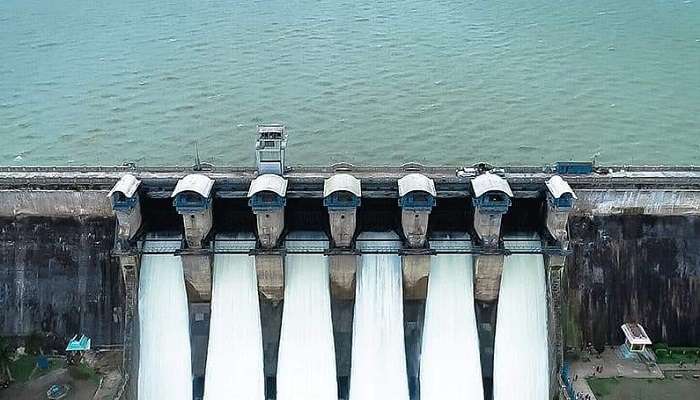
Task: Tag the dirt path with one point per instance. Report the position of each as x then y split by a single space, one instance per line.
36 388
105 363
109 386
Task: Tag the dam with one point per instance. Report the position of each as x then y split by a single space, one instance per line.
348 282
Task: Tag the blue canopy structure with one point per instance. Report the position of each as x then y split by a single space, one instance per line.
81 344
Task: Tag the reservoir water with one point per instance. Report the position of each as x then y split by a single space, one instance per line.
364 81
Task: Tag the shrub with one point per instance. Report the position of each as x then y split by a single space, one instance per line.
81 372
34 343
660 346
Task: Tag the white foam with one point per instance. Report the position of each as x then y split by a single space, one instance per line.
165 370
306 364
235 354
378 370
450 365
521 370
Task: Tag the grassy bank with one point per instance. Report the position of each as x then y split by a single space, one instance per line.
644 389
676 355
24 368
83 372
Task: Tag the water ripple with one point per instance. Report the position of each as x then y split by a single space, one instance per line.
391 80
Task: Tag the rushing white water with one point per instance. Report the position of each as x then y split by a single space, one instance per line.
520 354
235 354
450 365
165 370
378 370
306 362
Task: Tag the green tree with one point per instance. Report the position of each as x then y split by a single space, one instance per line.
5 361
34 343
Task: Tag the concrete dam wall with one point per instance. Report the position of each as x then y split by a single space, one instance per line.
633 268
57 275
626 251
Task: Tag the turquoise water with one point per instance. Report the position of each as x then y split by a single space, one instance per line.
365 81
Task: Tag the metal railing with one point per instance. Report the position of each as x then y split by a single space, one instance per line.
176 246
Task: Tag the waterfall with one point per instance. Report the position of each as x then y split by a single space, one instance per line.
235 354
450 365
165 370
378 370
306 363
521 368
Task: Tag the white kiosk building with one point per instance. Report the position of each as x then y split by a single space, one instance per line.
636 338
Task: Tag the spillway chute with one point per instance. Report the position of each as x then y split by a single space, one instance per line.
306 362
450 366
521 359
165 370
379 243
378 370
235 354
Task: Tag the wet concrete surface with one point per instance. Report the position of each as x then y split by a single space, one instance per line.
56 275
633 268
